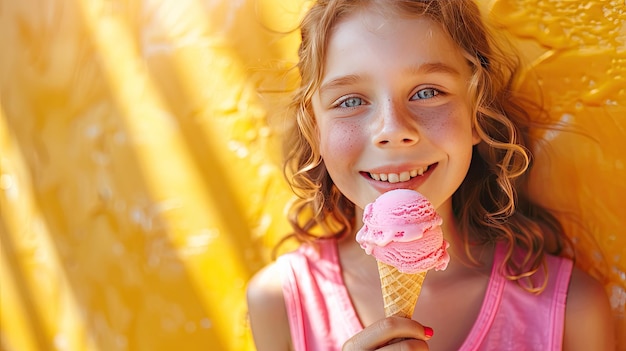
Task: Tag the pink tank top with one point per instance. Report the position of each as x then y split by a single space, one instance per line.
322 317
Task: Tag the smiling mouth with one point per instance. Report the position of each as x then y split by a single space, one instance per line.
398 177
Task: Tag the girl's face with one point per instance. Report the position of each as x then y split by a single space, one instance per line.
393 110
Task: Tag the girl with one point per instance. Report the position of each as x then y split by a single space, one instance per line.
414 94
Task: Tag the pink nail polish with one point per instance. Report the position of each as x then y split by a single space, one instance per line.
428 332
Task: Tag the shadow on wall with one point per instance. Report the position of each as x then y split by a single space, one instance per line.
139 174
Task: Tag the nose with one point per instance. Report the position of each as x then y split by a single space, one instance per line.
396 127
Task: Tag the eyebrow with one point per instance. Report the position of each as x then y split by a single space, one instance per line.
434 67
340 82
425 68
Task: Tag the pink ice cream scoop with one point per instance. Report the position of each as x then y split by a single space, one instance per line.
402 229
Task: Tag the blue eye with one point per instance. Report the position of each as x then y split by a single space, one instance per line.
351 102
427 93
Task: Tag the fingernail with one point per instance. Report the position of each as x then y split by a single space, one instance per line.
429 332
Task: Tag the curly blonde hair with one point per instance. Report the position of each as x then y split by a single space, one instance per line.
491 204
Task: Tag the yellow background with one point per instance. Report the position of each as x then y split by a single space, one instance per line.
140 179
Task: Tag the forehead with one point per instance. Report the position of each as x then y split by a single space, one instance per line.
383 38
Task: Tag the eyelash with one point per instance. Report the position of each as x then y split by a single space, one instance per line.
344 101
436 94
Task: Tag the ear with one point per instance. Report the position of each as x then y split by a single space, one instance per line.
475 127
318 139
475 137
318 135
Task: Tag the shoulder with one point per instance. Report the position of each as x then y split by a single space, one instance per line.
266 286
588 319
266 308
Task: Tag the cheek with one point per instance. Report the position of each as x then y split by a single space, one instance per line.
447 124
341 138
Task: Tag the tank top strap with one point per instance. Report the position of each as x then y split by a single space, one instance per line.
490 305
320 311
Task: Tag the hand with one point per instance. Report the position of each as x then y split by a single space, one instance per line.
391 333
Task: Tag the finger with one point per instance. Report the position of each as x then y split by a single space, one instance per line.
427 334
406 327
406 345
386 331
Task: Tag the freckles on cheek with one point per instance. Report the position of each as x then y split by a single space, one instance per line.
435 122
444 122
341 138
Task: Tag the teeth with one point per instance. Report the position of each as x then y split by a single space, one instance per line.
395 177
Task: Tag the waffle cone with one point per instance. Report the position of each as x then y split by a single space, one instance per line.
400 290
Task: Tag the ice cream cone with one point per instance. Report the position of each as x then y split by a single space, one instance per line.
400 290
402 230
